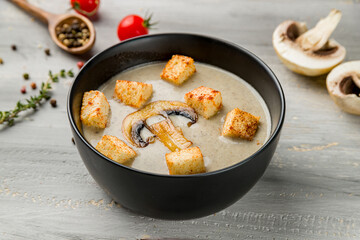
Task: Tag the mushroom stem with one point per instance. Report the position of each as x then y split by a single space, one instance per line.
317 37
171 136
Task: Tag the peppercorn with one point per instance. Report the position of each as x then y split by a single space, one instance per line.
82 25
23 90
75 21
13 47
66 42
53 102
75 34
80 64
26 76
33 85
61 36
69 35
58 30
47 51
75 26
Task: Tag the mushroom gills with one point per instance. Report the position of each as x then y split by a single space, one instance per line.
136 121
136 134
343 85
348 86
172 137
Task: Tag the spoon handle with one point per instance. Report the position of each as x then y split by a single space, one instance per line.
35 11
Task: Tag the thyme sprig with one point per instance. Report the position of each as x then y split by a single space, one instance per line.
34 101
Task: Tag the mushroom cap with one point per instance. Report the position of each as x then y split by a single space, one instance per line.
343 85
305 62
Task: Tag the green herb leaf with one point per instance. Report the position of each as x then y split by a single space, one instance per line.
34 101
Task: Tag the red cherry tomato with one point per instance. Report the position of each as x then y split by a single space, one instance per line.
133 26
80 64
86 8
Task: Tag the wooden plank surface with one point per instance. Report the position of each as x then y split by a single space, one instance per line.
311 189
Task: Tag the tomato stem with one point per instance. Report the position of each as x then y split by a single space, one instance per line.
147 22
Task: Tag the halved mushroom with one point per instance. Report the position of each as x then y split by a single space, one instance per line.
343 85
136 121
309 52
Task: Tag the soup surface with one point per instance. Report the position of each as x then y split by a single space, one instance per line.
219 152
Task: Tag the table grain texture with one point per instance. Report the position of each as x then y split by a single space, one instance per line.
311 189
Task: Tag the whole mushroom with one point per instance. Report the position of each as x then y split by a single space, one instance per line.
343 85
309 52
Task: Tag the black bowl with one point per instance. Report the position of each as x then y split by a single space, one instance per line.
176 197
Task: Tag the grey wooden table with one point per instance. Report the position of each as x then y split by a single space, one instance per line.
311 189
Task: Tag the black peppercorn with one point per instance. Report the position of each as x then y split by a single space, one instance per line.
47 52
53 102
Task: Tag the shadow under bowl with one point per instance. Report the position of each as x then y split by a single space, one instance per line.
177 197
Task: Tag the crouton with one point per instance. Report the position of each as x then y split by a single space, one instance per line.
95 109
206 101
240 124
178 69
186 161
115 149
131 93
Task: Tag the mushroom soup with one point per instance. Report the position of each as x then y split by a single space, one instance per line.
218 151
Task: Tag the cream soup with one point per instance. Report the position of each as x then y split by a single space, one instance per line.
219 152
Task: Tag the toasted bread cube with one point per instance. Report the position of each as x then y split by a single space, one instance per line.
240 124
178 69
206 101
131 93
186 161
115 149
95 109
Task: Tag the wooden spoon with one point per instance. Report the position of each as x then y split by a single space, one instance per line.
54 20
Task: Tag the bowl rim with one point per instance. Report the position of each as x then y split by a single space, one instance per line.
199 175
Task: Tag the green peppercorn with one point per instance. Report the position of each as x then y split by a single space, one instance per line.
26 76
78 35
